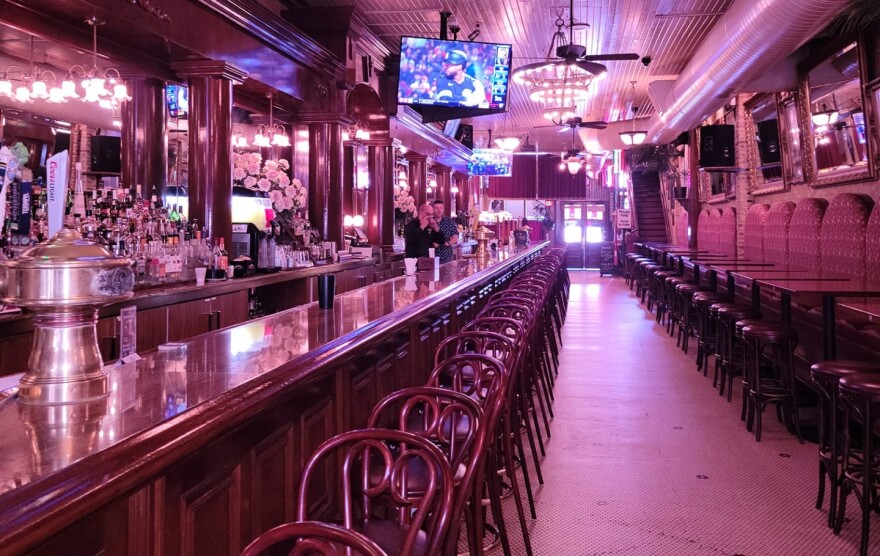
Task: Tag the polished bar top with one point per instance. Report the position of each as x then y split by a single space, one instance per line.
170 393
833 288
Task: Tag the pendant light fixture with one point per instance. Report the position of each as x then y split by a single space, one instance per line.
633 137
272 134
35 84
827 116
103 87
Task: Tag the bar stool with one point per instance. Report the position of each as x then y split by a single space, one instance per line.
732 358
657 293
826 375
414 524
684 295
705 327
723 328
315 537
775 345
645 272
672 301
860 394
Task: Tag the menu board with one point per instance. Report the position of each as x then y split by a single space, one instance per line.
606 258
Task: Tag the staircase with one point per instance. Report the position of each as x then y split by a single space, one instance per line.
650 218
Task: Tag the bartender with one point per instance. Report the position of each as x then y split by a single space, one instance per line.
423 233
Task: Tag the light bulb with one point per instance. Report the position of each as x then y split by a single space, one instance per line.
39 89
346 136
454 189
242 142
347 220
6 87
22 94
68 87
357 220
99 86
56 95
117 123
562 165
573 166
120 92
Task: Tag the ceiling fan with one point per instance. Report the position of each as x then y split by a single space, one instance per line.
575 55
576 122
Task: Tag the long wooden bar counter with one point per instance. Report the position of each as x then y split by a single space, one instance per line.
199 449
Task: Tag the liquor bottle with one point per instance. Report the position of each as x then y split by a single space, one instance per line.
174 216
79 201
223 258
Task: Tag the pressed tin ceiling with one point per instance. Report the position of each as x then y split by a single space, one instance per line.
666 30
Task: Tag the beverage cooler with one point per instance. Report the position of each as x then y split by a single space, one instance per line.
583 229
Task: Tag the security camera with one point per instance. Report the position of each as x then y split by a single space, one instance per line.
646 60
475 33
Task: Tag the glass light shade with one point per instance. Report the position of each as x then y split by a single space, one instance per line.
573 166
401 176
347 220
454 189
22 94
633 137
68 87
99 85
357 220
120 92
346 136
507 143
6 87
825 117
562 165
280 139
39 89
241 142
56 95
117 123
105 104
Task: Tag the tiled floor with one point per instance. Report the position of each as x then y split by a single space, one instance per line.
647 459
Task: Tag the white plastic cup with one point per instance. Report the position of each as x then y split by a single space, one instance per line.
200 275
409 284
410 265
431 252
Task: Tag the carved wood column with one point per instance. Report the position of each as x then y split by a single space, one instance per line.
418 178
144 149
210 142
380 219
444 187
463 199
325 175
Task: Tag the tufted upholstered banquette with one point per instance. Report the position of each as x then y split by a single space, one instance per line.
754 232
727 232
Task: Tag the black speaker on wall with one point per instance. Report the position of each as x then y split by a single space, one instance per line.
106 154
717 146
768 141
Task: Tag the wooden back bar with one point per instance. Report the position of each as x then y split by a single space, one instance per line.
199 450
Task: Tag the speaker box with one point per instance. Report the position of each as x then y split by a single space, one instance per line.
717 146
465 135
768 144
106 155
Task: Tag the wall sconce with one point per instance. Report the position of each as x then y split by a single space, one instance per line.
356 132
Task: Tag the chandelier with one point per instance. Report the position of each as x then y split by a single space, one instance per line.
272 134
633 136
95 82
238 139
356 132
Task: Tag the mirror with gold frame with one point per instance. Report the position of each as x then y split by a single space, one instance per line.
834 128
719 186
764 152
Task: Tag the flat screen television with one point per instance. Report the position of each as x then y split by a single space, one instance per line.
453 74
490 162
177 99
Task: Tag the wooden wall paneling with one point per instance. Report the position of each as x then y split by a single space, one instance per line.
210 515
140 527
386 381
152 328
362 396
102 532
316 425
273 481
403 367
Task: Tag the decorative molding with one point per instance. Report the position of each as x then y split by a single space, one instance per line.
151 9
209 68
276 32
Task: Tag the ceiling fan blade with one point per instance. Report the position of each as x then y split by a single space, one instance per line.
592 67
545 126
612 57
593 125
566 128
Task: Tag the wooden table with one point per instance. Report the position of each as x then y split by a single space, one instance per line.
829 290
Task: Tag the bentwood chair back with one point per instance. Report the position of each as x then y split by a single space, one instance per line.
453 422
488 343
312 538
415 523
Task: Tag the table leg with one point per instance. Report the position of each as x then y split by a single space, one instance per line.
697 272
786 308
731 287
713 279
829 327
756 296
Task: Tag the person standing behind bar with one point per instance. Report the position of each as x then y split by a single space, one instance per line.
449 229
422 234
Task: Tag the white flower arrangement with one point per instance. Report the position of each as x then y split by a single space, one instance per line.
288 196
403 201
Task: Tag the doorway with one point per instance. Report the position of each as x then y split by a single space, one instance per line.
583 229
